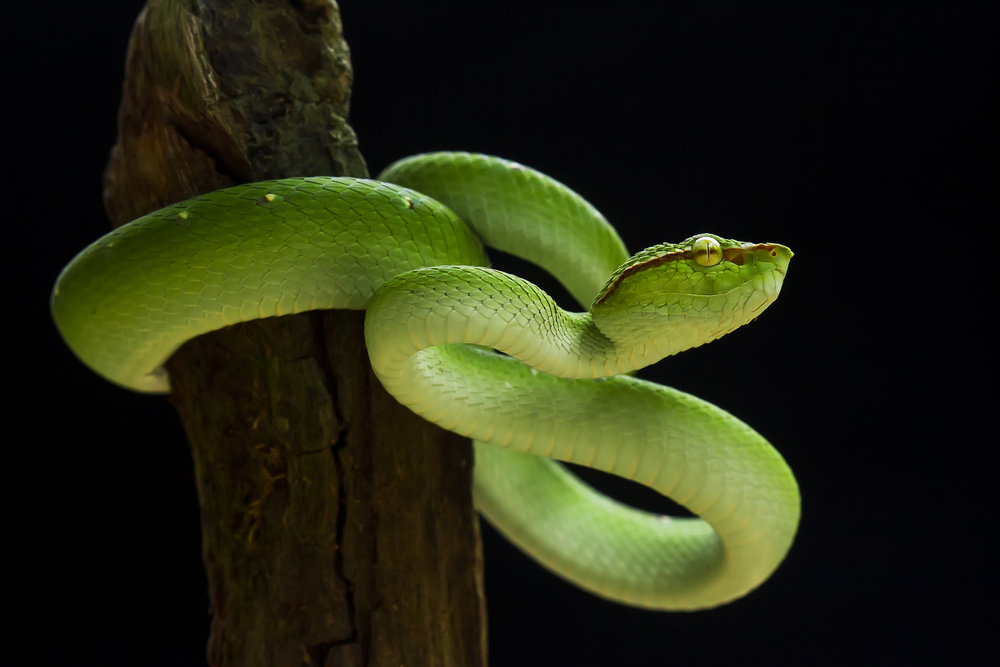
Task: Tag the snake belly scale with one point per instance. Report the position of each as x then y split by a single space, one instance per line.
484 353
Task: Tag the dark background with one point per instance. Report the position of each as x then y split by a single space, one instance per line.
856 134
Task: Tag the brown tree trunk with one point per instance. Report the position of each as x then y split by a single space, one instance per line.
338 528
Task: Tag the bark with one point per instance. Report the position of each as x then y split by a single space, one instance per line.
338 528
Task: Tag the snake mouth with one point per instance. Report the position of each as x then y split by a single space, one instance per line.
771 288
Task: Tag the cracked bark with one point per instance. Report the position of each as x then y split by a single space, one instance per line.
337 527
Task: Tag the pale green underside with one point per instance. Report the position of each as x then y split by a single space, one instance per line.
260 250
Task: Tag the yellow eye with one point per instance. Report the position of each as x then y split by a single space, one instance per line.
706 251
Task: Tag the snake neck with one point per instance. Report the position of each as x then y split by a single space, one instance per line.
478 306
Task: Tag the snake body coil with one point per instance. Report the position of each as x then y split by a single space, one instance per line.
558 391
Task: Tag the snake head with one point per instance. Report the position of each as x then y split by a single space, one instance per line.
671 297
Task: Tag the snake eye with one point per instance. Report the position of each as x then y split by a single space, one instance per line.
706 251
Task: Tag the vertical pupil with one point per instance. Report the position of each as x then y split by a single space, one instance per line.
704 251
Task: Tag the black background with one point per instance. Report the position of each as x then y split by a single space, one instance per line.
856 134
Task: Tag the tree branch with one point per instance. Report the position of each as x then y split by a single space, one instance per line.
338 527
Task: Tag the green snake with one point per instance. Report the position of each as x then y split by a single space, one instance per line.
483 353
